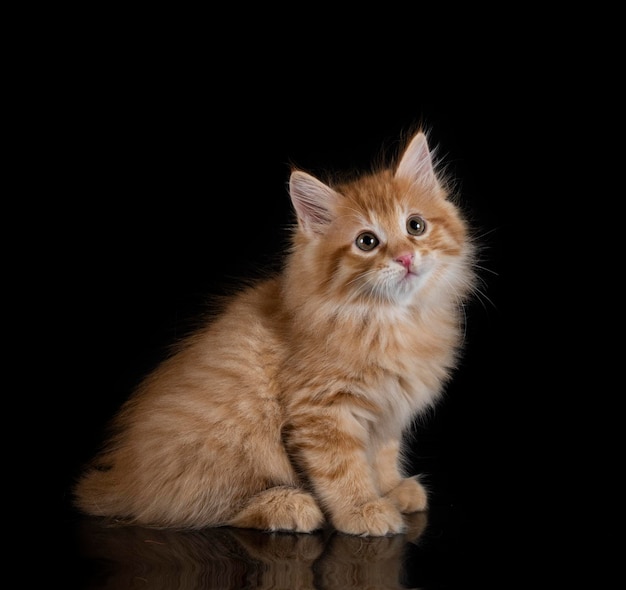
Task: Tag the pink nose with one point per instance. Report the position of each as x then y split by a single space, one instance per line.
405 260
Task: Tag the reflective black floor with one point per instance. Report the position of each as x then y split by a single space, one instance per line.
451 546
133 557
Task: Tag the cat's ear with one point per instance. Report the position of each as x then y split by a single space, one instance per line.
416 164
312 200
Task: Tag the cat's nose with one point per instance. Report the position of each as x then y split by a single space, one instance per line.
405 260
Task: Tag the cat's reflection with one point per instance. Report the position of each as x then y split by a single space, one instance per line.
135 557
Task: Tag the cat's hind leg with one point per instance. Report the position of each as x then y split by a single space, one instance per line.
282 508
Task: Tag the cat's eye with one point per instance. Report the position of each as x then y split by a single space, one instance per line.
416 225
367 241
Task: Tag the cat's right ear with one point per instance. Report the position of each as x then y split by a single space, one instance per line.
416 164
312 200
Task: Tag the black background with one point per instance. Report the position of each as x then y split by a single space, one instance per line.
158 170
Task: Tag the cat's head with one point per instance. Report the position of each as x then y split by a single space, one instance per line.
392 237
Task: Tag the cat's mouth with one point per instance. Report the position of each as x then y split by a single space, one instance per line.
415 274
411 273
409 278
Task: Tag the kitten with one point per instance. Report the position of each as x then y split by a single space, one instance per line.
287 410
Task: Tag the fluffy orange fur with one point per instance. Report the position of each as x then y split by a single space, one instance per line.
287 411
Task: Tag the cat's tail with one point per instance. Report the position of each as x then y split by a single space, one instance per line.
95 494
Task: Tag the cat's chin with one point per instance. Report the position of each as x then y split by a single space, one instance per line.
401 291
408 288
411 282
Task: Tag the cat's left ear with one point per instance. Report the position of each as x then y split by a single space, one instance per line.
312 200
416 164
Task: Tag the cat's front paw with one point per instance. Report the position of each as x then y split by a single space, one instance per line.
376 518
409 496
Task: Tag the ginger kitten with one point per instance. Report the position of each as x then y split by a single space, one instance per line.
287 410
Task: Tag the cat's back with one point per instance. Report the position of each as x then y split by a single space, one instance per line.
238 350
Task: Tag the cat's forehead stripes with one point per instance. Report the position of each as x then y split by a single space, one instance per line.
373 193
381 192
383 202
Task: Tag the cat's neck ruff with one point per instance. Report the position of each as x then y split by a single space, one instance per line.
430 305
